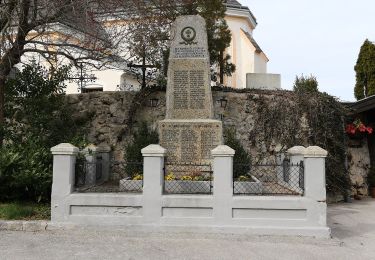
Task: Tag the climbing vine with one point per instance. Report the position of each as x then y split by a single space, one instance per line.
302 119
273 121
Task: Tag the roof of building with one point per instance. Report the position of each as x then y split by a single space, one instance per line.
83 21
253 42
363 105
237 5
233 2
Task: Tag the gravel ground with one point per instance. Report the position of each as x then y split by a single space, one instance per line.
353 229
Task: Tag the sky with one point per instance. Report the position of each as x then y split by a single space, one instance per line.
318 37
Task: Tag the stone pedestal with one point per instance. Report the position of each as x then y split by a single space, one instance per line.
190 141
189 132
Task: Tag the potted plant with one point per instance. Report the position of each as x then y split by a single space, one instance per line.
132 184
357 129
171 183
188 184
247 184
195 183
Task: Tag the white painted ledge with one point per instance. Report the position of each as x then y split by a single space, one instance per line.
154 150
297 150
223 151
315 152
64 149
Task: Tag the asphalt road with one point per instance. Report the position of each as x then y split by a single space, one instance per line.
353 227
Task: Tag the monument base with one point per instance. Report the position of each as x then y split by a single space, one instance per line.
190 141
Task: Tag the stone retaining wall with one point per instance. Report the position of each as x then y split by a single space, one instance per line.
108 114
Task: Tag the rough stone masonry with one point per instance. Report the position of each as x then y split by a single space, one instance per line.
189 132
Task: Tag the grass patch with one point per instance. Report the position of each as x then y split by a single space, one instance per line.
24 211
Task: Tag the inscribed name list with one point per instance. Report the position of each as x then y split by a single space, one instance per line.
190 141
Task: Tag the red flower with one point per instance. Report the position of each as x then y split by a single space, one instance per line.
369 130
350 129
362 128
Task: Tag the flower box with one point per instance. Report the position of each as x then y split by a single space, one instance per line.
248 187
187 187
128 185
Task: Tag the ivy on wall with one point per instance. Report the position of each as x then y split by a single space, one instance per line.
312 118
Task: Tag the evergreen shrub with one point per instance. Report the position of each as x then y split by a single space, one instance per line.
142 138
36 120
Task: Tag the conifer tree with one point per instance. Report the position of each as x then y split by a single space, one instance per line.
306 84
219 35
365 71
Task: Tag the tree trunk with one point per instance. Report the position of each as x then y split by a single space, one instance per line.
2 108
221 65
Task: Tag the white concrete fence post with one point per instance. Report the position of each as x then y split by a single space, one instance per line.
153 179
64 158
315 173
223 183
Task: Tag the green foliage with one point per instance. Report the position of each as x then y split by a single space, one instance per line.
142 138
326 118
306 84
21 211
36 120
15 211
300 119
241 159
365 71
35 106
25 172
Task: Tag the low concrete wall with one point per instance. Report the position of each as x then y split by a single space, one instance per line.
220 212
263 81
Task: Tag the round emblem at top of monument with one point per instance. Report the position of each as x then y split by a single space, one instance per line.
189 38
188 34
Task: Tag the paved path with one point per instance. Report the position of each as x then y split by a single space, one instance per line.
353 228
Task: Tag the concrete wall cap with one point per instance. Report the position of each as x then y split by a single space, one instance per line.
297 150
315 151
104 148
223 151
64 149
154 150
91 148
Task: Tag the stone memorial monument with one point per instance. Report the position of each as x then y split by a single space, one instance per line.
189 132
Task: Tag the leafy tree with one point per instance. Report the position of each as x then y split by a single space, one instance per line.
36 120
35 106
365 71
306 84
79 34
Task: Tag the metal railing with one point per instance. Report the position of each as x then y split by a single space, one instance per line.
88 173
187 179
269 179
121 177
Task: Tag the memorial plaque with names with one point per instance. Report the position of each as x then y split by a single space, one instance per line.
190 142
189 82
189 132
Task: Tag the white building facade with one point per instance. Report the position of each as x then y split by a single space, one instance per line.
246 54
